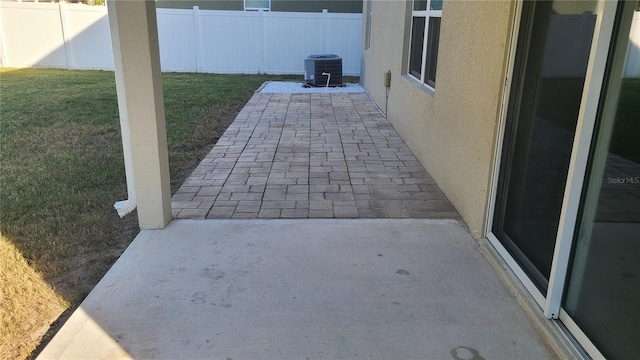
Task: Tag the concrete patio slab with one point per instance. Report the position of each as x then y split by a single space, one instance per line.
321 155
301 289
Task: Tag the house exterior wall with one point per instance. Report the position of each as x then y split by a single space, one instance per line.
334 6
453 131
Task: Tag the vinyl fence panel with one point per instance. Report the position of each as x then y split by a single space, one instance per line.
349 47
286 48
76 36
32 36
88 40
177 38
230 41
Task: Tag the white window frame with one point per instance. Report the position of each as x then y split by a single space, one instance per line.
256 8
426 14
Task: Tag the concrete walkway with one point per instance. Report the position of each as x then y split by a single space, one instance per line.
310 156
301 289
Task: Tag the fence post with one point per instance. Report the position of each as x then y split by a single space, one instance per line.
4 55
197 37
324 30
64 25
262 39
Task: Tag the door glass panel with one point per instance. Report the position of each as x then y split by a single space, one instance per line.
603 292
550 66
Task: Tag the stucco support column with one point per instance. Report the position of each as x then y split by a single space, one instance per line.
134 38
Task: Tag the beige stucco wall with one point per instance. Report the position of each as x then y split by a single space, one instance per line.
452 132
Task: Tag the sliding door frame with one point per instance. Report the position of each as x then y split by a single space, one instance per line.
506 93
551 303
593 85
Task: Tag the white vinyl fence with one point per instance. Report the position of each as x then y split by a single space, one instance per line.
76 36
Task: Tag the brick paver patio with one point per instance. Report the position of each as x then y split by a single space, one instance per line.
310 156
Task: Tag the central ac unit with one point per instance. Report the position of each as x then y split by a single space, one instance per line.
323 68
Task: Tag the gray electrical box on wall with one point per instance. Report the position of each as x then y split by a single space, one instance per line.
387 79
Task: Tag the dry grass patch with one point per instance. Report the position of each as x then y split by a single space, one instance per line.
29 304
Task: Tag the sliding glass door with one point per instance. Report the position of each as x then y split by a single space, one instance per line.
603 291
551 61
567 200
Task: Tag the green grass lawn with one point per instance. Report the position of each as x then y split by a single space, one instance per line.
62 164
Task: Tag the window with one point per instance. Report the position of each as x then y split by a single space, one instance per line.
425 37
250 5
367 35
